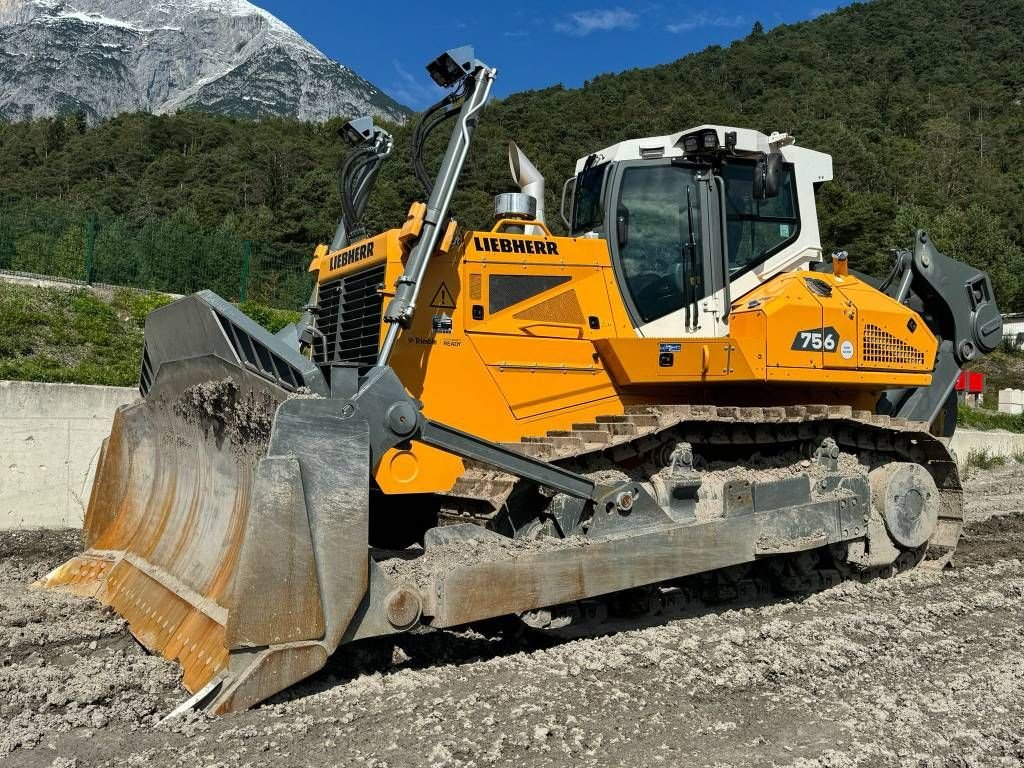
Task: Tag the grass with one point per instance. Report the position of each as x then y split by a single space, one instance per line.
984 459
271 319
81 336
983 418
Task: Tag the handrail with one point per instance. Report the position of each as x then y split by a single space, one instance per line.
498 225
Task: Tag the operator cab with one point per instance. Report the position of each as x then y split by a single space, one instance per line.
696 219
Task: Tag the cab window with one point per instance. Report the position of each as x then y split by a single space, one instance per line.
659 206
757 228
588 213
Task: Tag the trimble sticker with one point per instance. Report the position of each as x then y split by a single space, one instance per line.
669 347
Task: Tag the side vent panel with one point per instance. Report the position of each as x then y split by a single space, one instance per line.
507 290
563 308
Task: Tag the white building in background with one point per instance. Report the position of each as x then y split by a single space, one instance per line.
1013 329
1011 401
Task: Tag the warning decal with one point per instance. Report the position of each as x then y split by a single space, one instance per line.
443 298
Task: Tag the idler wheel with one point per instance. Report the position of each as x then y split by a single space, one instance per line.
908 500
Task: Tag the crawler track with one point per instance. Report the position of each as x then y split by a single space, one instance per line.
735 436
741 437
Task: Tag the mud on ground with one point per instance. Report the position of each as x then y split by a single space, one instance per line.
926 669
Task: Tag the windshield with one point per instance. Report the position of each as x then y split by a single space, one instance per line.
587 213
659 212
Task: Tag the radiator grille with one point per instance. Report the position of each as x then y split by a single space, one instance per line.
349 318
881 347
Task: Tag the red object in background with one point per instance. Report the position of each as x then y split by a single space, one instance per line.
971 382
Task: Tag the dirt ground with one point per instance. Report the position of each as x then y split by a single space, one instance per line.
925 669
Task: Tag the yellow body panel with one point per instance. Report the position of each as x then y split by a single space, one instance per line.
540 339
330 265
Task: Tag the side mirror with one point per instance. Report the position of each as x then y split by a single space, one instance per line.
566 210
766 176
622 226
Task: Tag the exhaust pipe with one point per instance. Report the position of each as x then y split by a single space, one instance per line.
529 180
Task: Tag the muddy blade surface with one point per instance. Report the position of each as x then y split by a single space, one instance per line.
168 514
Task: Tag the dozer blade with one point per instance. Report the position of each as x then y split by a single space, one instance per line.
228 520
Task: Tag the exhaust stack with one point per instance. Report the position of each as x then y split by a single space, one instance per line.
529 180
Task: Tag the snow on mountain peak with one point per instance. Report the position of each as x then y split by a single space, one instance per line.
110 56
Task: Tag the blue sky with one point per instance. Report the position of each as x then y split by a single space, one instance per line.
533 44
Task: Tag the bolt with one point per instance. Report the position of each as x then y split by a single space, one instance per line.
624 501
402 608
347 410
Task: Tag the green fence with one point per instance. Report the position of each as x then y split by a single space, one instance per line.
163 254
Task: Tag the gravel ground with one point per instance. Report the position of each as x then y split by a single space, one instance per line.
926 669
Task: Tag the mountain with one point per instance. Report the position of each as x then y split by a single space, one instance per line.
920 103
105 57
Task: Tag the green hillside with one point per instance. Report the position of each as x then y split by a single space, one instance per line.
921 103
85 336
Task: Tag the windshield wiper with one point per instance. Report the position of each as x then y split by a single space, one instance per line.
691 318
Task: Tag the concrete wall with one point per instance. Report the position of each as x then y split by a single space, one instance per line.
50 436
996 442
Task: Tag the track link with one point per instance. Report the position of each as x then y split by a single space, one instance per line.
621 438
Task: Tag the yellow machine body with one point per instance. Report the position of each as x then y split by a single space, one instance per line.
519 335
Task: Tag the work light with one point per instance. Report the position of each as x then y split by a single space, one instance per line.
452 65
358 130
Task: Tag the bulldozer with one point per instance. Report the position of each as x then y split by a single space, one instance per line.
680 399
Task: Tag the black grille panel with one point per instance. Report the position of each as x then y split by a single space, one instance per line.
349 318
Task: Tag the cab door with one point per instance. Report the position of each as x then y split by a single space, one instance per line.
671 288
663 231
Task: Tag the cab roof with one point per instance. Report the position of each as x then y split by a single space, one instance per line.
817 165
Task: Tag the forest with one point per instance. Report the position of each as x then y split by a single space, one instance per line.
920 103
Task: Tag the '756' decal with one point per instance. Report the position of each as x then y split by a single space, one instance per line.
817 339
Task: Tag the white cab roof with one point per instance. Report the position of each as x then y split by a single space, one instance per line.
814 166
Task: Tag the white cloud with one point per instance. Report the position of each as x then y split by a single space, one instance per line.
706 20
582 23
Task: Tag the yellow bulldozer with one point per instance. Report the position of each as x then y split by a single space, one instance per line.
679 400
